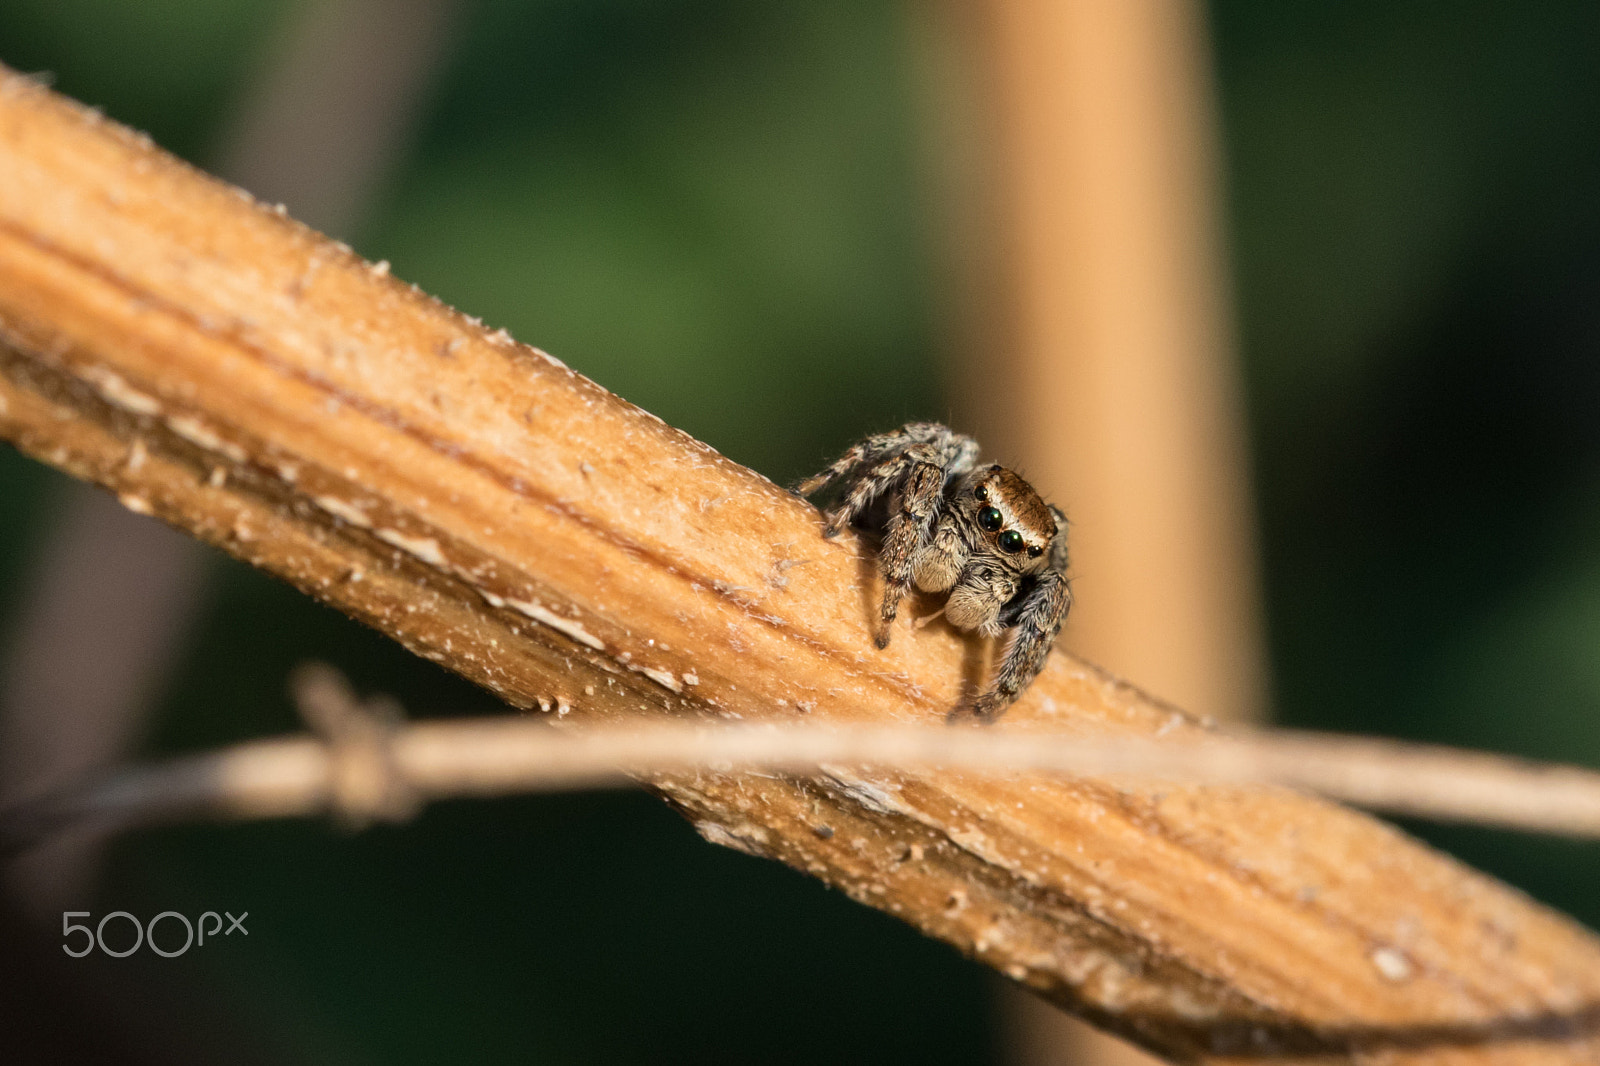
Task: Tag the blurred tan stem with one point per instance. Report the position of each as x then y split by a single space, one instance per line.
1110 375
1115 384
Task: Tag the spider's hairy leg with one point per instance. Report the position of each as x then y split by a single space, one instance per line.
843 465
960 454
1038 625
869 487
908 531
872 450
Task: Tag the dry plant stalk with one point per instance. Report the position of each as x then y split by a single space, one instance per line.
220 366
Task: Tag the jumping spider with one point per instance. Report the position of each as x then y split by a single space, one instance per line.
980 533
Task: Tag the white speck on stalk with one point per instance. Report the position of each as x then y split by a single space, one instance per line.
665 678
1392 964
539 614
424 548
193 431
343 509
120 393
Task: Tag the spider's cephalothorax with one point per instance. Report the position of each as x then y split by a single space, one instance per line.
980 533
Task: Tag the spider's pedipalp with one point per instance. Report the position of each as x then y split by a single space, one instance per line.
980 594
938 566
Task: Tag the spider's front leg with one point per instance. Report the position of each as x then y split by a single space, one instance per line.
909 528
1038 624
869 487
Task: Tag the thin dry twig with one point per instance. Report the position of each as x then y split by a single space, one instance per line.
246 380
363 766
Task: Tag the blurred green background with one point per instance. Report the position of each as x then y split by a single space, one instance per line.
726 213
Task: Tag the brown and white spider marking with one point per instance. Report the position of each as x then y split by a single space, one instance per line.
980 533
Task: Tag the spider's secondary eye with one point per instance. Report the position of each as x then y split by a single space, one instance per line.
1034 551
990 519
1011 542
981 493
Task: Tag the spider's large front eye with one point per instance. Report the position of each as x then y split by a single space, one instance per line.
1011 542
990 519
